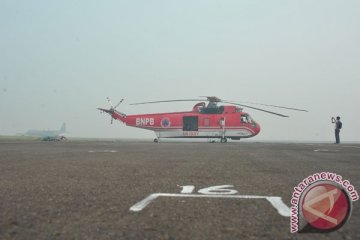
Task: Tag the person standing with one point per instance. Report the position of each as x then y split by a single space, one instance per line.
338 126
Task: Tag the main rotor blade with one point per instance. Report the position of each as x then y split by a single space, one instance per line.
176 100
259 109
269 105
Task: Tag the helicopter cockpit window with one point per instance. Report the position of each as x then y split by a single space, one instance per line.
244 119
247 119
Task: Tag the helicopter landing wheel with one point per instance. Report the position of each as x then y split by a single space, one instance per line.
223 140
156 140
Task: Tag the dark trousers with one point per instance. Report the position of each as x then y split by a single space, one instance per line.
337 135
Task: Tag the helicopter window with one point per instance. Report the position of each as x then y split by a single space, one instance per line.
244 119
247 119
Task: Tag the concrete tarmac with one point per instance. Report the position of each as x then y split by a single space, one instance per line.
84 190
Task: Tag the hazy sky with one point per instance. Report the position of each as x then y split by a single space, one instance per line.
59 60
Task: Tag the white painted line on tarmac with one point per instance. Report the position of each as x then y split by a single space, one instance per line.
334 145
280 206
276 202
325 150
102 151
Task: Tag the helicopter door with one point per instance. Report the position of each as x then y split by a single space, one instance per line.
190 123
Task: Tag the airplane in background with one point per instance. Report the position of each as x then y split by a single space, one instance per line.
47 133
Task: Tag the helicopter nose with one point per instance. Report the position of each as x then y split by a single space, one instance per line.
257 129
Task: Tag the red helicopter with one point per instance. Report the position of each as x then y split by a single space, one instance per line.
204 121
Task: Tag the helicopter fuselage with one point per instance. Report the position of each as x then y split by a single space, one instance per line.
202 122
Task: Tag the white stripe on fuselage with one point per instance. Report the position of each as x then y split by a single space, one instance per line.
176 133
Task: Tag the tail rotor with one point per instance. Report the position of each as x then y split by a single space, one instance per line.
112 109
118 103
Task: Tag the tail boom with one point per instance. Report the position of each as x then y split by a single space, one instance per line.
115 114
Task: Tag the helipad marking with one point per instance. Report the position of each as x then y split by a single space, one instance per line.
325 150
103 151
186 192
280 206
218 190
334 145
187 189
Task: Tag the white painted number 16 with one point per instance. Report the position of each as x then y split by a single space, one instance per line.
213 190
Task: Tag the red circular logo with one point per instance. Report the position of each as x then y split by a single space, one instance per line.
326 206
